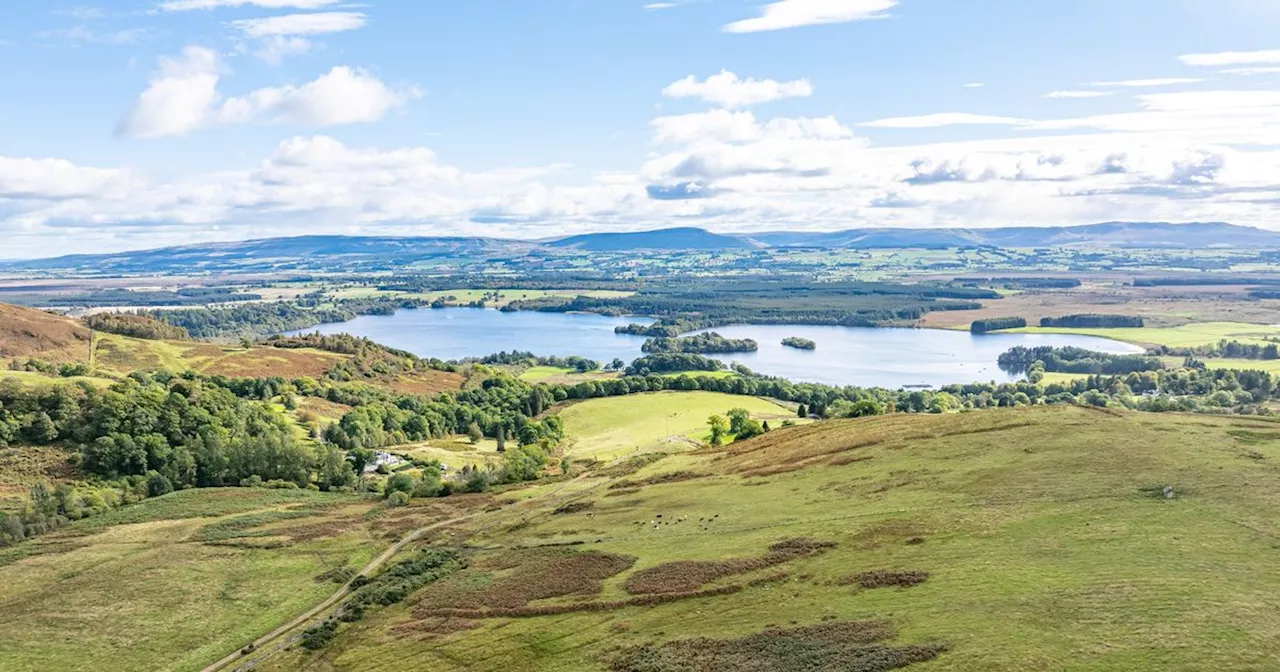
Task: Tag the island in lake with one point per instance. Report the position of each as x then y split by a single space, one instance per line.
706 343
799 343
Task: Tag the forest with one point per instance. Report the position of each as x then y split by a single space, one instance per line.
263 319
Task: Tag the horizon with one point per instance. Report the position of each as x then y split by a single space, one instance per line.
744 235
151 123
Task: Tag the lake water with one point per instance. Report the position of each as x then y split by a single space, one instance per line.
845 355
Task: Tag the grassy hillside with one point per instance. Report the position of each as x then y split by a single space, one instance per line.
25 332
608 428
176 582
1029 539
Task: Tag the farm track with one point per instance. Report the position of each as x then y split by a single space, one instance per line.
345 590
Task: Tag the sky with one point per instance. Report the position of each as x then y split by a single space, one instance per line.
133 124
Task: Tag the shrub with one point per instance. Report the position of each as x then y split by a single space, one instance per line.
158 484
397 498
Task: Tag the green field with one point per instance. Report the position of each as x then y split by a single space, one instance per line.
1187 335
537 373
1045 536
613 427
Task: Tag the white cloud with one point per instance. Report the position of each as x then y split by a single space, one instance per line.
1078 94
274 49
301 24
727 90
178 98
1225 58
1166 81
280 36
796 13
944 119
1251 71
342 96
183 96
1176 156
653 6
56 179
85 34
974 85
188 5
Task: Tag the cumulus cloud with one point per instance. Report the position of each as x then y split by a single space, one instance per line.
183 96
1225 58
727 90
1078 94
944 119
179 96
188 5
796 13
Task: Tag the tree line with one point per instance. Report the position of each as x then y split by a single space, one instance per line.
997 324
1223 348
1071 359
1092 321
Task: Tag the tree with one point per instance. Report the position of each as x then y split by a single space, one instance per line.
360 458
750 428
719 429
502 439
802 411
738 418
475 433
618 365
399 483
332 468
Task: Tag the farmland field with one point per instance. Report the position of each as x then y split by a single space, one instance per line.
1199 333
608 428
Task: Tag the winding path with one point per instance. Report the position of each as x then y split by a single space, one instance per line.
368 569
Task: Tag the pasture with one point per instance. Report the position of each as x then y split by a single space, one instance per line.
613 427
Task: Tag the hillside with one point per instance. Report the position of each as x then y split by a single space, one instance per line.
1195 236
378 253
25 332
687 238
1038 538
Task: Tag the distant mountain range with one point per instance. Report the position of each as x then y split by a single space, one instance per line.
309 252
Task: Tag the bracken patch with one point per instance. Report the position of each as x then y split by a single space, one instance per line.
689 575
522 576
830 647
884 578
669 477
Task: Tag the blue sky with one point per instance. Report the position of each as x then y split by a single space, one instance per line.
138 123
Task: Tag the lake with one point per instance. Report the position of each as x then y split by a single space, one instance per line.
862 356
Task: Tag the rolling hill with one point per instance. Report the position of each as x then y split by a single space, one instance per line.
687 238
380 253
25 332
1039 538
